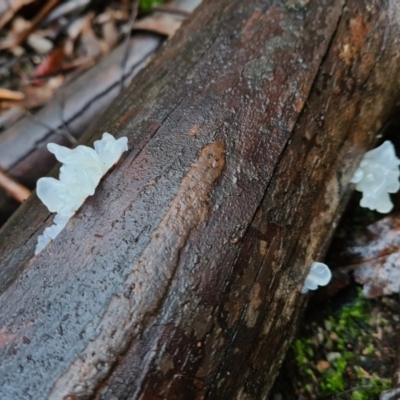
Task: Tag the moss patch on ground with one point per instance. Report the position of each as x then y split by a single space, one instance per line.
338 356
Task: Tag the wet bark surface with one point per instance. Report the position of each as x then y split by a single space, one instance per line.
180 278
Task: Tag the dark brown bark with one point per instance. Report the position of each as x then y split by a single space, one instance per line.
180 278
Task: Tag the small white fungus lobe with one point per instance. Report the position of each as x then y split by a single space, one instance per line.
319 275
82 169
377 176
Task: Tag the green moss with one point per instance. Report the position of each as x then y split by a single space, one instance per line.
379 384
371 388
383 321
147 5
347 335
369 350
334 379
359 395
308 388
303 350
351 315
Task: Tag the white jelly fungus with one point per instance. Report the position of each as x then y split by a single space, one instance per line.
377 176
319 275
82 169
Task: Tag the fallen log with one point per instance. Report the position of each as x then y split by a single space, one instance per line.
180 278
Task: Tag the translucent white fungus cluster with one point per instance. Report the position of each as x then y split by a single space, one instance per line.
82 169
377 176
319 275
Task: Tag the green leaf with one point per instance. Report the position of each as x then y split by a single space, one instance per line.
147 5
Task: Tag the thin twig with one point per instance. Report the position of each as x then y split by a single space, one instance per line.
36 120
13 188
171 10
66 132
135 9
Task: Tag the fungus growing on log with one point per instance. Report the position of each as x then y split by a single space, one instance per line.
377 176
319 275
82 169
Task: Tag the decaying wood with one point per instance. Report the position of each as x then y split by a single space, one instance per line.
180 278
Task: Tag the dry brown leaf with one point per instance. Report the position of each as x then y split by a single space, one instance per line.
163 24
50 63
376 258
6 94
37 96
323 365
18 26
73 32
117 15
18 38
93 47
110 33
8 9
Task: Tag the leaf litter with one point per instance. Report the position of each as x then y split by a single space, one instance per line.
43 40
